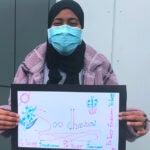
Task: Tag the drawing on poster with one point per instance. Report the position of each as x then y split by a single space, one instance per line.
68 120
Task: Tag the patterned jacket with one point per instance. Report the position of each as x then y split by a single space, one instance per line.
97 71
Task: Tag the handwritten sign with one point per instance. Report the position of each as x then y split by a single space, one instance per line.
68 119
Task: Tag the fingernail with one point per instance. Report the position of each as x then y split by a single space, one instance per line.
128 123
120 113
120 118
17 115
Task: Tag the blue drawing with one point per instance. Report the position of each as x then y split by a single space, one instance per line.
91 103
29 118
112 96
111 100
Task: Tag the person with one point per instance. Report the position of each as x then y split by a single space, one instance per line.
66 59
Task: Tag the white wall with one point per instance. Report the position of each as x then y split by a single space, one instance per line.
131 56
120 29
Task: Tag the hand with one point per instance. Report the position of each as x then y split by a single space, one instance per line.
8 119
136 119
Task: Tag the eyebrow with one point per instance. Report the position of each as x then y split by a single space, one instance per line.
59 19
76 19
70 19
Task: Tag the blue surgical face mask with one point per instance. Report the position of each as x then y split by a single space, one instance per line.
65 38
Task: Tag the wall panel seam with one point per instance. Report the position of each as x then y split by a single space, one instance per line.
14 66
113 30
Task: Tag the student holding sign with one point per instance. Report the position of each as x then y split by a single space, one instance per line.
66 59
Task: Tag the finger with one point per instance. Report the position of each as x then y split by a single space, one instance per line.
136 112
8 113
141 132
138 127
6 127
136 124
8 123
133 118
8 118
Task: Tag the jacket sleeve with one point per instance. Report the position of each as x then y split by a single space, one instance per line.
109 77
20 77
23 73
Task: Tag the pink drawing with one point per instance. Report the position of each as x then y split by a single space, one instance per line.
92 111
24 98
92 105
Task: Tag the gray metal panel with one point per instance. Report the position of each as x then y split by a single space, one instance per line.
6 55
5 143
31 25
6 41
4 93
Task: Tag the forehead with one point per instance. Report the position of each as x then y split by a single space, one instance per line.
66 13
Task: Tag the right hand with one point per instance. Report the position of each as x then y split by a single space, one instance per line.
8 119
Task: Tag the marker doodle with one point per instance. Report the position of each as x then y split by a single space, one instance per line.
92 104
24 98
29 118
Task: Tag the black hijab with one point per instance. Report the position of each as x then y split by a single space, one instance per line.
73 63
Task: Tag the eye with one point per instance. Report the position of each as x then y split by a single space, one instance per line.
73 24
57 24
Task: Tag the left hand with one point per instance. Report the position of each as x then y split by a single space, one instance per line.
136 119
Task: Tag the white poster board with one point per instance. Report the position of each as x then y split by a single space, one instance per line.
68 119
